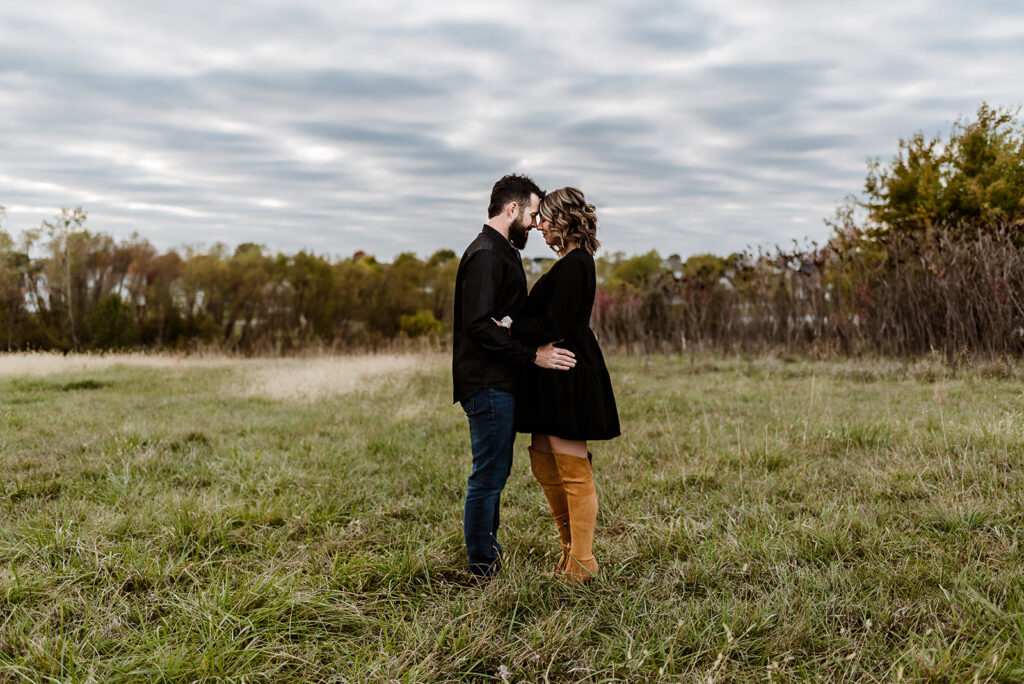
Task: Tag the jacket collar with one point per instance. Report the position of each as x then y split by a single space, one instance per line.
498 237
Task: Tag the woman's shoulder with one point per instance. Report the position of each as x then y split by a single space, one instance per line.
574 264
577 256
580 260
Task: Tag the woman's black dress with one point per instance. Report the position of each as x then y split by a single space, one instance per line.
575 404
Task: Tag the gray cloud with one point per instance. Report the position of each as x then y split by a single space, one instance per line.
695 128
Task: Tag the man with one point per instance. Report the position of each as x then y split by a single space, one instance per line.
489 286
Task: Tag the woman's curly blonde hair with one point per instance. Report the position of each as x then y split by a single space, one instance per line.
572 218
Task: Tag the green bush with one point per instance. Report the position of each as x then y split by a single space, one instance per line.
420 323
113 324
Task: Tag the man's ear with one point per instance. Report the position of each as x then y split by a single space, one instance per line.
512 209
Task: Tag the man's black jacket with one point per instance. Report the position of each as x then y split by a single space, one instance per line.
490 284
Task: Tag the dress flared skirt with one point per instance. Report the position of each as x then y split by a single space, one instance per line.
576 404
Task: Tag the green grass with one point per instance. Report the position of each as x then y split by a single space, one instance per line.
760 520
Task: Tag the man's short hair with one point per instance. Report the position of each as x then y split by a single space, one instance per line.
512 188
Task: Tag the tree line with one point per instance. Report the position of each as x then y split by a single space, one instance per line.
65 287
930 258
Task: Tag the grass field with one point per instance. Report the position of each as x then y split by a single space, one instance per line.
763 520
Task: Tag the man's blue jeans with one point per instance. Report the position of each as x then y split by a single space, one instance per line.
491 414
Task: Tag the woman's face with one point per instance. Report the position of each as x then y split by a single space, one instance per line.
545 229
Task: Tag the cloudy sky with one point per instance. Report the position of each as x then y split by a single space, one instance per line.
332 126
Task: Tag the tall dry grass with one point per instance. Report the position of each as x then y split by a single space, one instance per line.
308 377
35 364
331 375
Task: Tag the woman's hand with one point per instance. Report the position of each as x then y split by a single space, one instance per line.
505 323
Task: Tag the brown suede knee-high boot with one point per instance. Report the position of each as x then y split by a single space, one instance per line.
544 468
578 483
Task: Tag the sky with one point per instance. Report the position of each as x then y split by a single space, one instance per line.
705 126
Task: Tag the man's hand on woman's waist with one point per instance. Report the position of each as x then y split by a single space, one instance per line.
550 356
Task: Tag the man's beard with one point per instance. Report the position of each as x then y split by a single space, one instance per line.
518 233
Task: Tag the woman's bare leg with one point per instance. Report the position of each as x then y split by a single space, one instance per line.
540 442
573 447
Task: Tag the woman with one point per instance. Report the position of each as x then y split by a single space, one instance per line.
564 409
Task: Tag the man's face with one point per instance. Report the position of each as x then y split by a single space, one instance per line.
519 231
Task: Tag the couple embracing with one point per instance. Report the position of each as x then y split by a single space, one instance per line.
532 364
